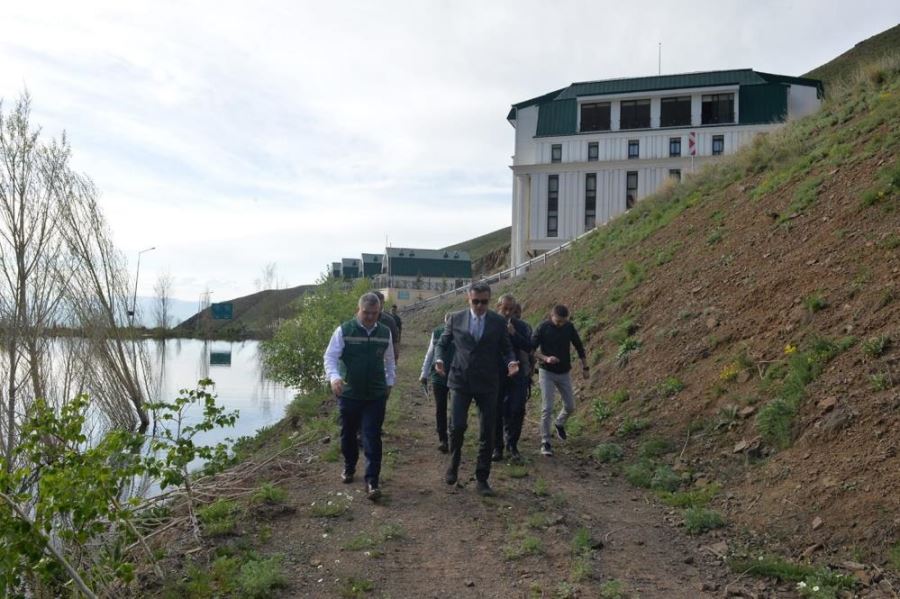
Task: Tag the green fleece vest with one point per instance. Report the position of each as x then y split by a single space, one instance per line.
362 361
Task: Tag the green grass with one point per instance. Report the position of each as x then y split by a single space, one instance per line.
631 426
541 488
894 557
698 520
875 347
219 518
367 541
690 498
331 507
517 471
258 578
655 447
626 348
815 302
353 587
612 589
524 547
804 195
269 493
780 569
670 387
609 452
623 330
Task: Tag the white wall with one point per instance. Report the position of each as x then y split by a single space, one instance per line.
526 128
802 100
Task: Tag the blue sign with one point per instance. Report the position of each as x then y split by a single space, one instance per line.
404 295
222 311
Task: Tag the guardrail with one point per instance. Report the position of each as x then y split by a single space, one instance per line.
509 273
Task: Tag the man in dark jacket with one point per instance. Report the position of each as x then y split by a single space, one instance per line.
512 396
480 339
551 341
399 322
388 321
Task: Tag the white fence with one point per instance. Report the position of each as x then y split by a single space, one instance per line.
509 273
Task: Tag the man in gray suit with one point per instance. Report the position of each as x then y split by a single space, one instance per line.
481 341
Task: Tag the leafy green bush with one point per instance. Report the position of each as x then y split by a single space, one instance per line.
774 422
626 348
601 410
692 498
698 520
269 493
258 577
640 473
655 447
671 387
815 302
664 479
631 426
875 347
218 518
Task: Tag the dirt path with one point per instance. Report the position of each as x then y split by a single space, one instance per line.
427 539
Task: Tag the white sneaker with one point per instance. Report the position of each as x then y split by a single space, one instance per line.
546 450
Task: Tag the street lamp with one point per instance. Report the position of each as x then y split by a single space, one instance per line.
134 298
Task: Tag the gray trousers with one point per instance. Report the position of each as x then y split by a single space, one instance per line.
550 382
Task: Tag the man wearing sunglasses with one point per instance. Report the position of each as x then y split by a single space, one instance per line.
479 338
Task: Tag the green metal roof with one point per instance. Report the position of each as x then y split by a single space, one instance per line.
412 262
558 116
372 264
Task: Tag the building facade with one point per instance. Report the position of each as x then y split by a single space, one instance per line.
411 275
588 152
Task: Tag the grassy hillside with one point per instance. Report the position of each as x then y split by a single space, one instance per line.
489 252
746 324
255 315
847 64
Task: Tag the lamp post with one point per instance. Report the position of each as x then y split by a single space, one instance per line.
134 297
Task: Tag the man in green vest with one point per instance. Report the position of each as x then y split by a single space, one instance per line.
359 364
438 386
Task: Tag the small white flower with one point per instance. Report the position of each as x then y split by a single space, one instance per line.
815 589
801 585
324 535
368 554
320 580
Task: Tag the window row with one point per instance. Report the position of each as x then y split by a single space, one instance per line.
590 198
634 149
673 112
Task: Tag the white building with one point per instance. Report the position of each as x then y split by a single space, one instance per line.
587 152
411 275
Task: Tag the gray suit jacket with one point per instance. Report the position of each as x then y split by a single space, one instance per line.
475 364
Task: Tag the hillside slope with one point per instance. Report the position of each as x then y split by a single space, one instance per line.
489 252
749 319
846 65
254 316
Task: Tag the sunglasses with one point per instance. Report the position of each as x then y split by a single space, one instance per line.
483 302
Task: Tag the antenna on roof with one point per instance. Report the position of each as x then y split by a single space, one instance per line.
660 59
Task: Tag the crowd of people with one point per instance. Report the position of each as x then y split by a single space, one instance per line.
478 356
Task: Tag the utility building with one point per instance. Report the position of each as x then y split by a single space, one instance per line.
587 152
372 265
350 268
411 275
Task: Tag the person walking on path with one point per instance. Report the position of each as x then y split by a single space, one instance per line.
512 396
359 364
439 388
480 339
551 341
399 322
388 321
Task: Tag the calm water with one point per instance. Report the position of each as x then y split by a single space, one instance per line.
236 368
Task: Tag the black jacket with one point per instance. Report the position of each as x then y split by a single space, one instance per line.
474 366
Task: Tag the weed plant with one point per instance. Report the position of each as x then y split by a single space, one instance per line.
698 520
609 452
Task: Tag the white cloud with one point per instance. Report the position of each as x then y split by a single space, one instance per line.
231 134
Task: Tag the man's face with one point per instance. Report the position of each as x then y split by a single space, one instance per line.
506 308
479 302
368 315
558 320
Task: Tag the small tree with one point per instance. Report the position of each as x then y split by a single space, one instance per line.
162 291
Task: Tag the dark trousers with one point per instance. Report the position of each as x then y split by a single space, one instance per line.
510 412
364 416
440 411
487 411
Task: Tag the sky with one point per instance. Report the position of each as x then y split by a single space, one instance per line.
231 135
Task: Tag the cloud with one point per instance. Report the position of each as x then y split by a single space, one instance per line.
231 135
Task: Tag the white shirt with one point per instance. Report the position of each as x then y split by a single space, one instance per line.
336 347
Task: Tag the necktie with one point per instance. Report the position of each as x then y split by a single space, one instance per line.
479 327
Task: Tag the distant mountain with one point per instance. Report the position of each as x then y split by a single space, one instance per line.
254 316
846 65
179 310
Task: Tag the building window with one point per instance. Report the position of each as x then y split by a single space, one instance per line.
556 153
674 146
634 114
634 148
595 116
593 151
553 206
718 145
590 201
675 173
631 186
717 108
675 112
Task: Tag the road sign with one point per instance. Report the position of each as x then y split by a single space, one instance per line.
222 311
692 143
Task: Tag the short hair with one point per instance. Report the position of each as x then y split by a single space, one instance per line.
369 299
561 311
480 288
378 294
506 297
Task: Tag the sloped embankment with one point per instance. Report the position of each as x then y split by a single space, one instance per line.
752 315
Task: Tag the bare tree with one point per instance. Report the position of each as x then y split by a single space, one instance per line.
268 278
162 291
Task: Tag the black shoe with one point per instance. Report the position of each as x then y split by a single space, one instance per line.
497 456
347 476
546 450
443 447
514 454
484 489
373 492
451 476
560 431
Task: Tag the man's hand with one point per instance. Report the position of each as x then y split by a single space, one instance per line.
439 368
337 386
551 360
423 381
513 369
